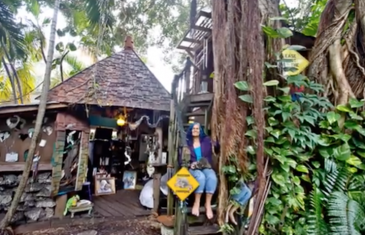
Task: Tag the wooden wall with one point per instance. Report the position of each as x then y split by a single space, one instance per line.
17 145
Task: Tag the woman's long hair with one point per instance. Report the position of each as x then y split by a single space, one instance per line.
189 133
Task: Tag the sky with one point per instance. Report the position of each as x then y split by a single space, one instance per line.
155 62
154 56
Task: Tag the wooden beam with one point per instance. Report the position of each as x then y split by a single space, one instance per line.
202 29
28 108
204 14
57 156
185 48
190 40
19 166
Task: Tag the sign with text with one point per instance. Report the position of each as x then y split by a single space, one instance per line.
296 62
183 184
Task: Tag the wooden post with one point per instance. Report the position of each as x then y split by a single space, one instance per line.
187 72
156 190
171 149
57 160
82 167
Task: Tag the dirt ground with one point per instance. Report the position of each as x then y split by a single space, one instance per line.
141 226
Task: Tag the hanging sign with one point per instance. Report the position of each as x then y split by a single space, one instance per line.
183 184
297 62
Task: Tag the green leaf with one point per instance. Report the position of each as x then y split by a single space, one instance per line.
60 47
342 152
297 48
343 108
60 33
355 116
333 117
279 179
302 168
246 98
284 32
280 18
71 46
250 150
242 86
354 161
354 103
270 32
250 120
268 65
271 83
286 90
316 164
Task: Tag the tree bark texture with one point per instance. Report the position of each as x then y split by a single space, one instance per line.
39 120
231 64
329 53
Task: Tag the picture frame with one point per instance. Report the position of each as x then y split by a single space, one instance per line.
129 180
104 186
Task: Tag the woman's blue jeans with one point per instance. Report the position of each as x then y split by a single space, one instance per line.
243 196
207 180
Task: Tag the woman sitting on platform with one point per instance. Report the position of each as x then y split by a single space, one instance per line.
201 161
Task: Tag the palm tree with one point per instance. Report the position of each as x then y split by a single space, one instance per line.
41 111
11 42
72 67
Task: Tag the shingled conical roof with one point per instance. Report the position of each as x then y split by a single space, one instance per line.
123 80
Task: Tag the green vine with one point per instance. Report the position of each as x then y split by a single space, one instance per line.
316 153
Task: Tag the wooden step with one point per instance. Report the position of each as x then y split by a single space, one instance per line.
203 230
199 98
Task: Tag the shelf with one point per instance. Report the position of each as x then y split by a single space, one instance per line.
19 166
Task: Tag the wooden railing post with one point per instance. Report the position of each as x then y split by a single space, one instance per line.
171 146
187 72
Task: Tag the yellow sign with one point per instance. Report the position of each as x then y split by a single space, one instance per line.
183 184
297 64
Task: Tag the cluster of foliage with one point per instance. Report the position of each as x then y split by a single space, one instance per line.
316 155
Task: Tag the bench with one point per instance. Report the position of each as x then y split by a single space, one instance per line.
83 208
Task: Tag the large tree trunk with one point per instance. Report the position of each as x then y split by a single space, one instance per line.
329 53
41 111
230 66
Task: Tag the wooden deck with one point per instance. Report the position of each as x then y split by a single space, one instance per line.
125 203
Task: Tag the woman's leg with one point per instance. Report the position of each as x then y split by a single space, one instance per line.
200 177
210 188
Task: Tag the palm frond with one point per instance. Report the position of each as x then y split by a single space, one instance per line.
11 32
75 64
344 214
335 180
315 220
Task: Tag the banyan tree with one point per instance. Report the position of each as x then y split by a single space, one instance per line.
240 48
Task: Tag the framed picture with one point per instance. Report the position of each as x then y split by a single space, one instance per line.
130 179
104 186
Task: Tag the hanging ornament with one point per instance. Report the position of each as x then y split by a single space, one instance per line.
23 136
30 132
12 122
48 130
4 136
150 170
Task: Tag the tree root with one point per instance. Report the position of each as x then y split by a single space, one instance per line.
7 231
